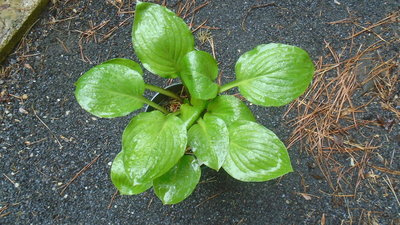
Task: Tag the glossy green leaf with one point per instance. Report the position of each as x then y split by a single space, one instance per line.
189 114
273 74
198 72
209 140
152 144
111 89
125 62
230 109
179 182
198 102
255 153
121 181
160 39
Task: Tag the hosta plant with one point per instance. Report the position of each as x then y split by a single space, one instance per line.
165 149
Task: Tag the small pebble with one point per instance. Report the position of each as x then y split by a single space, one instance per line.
352 162
24 96
1 81
16 185
22 110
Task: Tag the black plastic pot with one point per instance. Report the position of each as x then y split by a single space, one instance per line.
164 100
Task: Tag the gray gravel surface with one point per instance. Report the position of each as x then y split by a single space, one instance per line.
34 166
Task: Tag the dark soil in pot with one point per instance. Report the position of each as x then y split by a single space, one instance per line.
171 104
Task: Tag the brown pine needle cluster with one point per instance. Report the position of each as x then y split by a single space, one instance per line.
326 114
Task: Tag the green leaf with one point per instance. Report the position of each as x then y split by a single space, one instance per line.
273 74
121 180
198 102
209 140
152 144
230 109
160 39
255 153
111 89
179 182
199 70
189 114
125 62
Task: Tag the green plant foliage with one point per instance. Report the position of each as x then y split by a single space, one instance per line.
179 182
121 180
255 153
166 147
152 143
229 108
111 89
209 140
160 39
189 113
273 74
198 72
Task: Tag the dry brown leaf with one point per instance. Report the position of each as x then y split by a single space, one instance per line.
305 196
323 220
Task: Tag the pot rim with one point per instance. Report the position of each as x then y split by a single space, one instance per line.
146 108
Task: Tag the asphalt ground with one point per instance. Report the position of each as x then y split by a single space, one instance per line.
46 138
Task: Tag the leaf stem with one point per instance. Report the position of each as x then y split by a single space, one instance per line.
153 104
196 113
176 113
162 91
228 86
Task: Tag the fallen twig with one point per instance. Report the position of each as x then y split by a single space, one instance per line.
195 9
79 173
389 183
386 170
208 199
112 30
389 19
112 199
44 124
200 26
252 8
